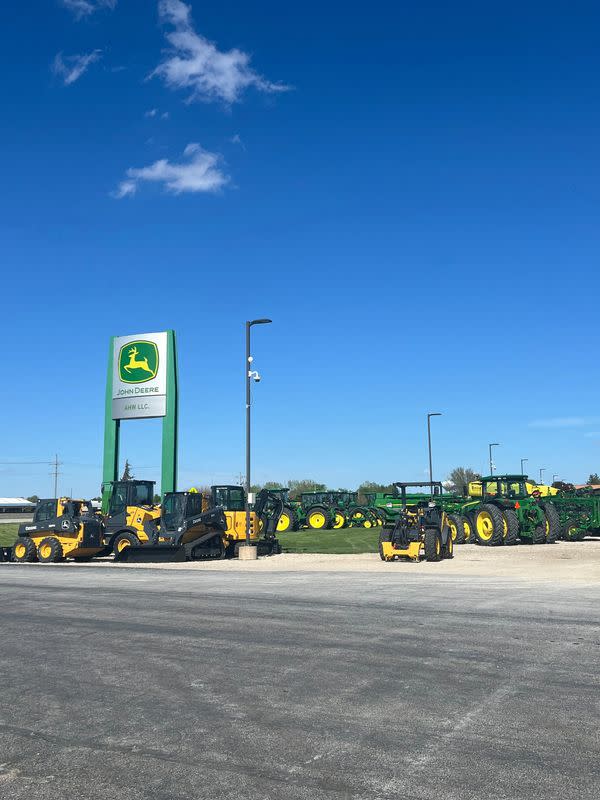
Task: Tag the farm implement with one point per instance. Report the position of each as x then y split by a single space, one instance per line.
325 510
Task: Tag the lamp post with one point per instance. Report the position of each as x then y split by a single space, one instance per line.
542 470
493 444
429 416
554 477
249 375
523 460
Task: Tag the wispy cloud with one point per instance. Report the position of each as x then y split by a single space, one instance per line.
198 171
559 422
83 8
154 112
237 139
71 68
195 63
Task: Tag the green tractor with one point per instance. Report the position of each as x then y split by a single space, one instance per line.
579 513
506 513
324 510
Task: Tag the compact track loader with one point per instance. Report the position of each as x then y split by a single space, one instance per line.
60 529
421 530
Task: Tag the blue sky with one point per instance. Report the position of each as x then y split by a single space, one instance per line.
410 191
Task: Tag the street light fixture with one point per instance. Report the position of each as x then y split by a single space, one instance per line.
542 470
429 416
249 375
523 460
493 444
554 477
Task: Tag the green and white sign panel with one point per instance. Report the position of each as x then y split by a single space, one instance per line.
139 380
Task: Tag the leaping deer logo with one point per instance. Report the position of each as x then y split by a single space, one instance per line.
136 363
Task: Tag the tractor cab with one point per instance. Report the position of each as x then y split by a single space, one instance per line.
125 494
230 498
507 486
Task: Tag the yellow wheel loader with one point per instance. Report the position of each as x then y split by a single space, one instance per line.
60 529
421 530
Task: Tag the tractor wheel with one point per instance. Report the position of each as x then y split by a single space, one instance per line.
122 541
287 520
381 514
489 525
448 548
340 520
384 536
457 528
468 528
24 550
571 532
50 550
512 522
318 518
552 522
539 535
433 545
359 518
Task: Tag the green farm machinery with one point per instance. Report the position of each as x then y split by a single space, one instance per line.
324 510
579 513
506 513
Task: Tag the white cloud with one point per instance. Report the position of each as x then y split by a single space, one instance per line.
195 63
559 422
199 171
152 113
71 68
83 8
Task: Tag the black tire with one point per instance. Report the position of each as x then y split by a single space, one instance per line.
433 544
457 528
448 548
49 550
287 521
571 532
119 545
24 550
469 524
318 518
384 536
494 533
553 519
338 515
512 522
539 535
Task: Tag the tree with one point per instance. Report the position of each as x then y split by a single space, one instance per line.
594 479
371 486
296 487
157 499
127 473
459 479
33 499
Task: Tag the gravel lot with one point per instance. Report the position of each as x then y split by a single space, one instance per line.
301 677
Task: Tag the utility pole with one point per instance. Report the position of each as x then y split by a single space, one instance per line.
56 463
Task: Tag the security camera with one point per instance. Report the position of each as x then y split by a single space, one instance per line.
254 375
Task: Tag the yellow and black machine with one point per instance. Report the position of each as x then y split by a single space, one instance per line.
61 529
131 514
421 529
192 526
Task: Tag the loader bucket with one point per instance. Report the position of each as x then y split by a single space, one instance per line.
152 554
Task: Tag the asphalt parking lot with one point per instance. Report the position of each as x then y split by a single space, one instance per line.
155 685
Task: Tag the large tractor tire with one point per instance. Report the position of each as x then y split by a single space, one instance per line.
287 520
24 550
339 519
433 544
539 535
122 541
552 522
50 550
448 548
469 528
512 526
457 528
361 518
489 526
318 518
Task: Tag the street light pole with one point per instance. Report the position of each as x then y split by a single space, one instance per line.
523 460
248 377
429 416
493 444
542 470
554 477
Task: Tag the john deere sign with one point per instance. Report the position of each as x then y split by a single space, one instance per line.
142 383
139 376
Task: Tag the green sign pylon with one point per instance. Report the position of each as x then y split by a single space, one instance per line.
112 427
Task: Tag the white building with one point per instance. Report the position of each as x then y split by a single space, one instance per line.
15 505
